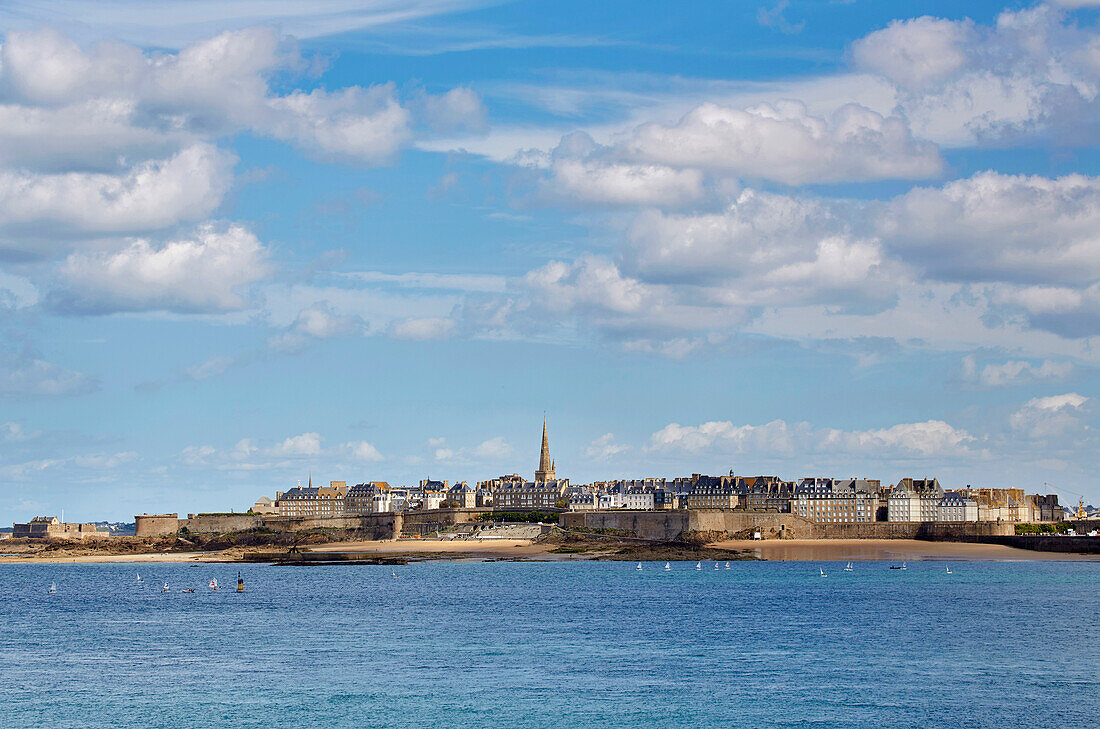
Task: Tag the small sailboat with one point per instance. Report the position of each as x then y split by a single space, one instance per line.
716 566
165 588
667 566
394 573
949 570
848 567
822 572
53 588
727 565
904 566
698 566
639 567
139 580
213 583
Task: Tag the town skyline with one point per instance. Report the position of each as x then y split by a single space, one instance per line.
804 237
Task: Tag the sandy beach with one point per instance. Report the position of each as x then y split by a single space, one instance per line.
839 550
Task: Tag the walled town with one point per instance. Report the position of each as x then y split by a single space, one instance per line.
767 506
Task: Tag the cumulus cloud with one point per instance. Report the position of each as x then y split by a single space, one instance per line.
207 272
493 448
918 52
27 376
959 82
316 322
213 87
361 450
16 433
933 438
995 227
151 195
783 142
1013 372
422 328
306 444
1047 417
605 447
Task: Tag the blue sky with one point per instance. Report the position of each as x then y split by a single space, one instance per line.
245 242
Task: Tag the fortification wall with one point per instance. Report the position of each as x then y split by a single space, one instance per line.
1079 545
220 523
426 522
373 526
156 525
771 525
646 524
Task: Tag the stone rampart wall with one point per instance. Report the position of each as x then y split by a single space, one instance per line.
771 525
156 525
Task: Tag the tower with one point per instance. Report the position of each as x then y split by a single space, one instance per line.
546 466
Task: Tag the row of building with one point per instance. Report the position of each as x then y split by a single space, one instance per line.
819 499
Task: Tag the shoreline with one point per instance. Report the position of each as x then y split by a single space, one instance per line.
793 550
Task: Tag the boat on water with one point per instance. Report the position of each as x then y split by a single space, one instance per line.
895 567
848 567
904 566
53 588
213 583
139 578
716 566
822 571
698 565
727 565
949 570
668 566
639 567
165 588
394 573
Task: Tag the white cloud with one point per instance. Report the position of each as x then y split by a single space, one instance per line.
361 450
422 328
459 109
1014 372
367 125
209 368
605 447
997 227
316 322
959 83
207 272
1049 417
783 142
33 377
933 438
918 52
306 444
16 433
151 195
17 292
493 448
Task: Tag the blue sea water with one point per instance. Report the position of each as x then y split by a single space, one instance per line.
764 644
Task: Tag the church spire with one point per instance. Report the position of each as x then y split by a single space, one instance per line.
546 466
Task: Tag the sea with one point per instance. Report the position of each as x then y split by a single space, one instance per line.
552 644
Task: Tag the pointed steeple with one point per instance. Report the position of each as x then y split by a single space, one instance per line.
546 466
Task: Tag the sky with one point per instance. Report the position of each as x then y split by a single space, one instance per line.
247 243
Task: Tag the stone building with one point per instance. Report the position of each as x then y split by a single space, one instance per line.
840 507
50 527
313 502
914 500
